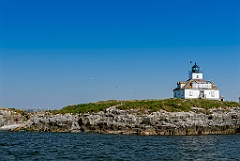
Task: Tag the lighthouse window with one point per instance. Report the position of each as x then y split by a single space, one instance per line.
197 76
190 93
212 93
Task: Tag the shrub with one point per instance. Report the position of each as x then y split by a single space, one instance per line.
170 105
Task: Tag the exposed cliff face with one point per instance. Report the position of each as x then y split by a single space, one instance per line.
114 121
162 123
10 119
53 123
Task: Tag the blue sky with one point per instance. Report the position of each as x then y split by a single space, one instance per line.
57 53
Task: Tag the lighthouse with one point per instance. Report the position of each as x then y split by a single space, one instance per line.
196 87
195 73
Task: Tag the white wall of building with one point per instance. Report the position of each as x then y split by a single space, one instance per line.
196 76
194 93
191 93
212 94
209 94
197 85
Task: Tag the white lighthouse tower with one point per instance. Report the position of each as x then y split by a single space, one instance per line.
196 87
195 73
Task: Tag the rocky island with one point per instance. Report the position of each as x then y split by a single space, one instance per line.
147 117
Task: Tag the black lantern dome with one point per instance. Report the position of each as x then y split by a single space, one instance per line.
195 68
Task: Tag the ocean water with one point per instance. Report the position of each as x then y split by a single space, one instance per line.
91 146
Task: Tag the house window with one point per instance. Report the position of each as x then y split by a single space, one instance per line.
190 93
197 76
212 93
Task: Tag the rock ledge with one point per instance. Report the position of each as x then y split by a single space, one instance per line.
115 121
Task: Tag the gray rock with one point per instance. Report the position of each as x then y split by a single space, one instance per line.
115 121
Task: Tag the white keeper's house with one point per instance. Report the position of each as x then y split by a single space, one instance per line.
196 87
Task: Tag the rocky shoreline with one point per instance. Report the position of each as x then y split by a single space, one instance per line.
115 121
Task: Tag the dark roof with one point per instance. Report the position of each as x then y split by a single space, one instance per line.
195 66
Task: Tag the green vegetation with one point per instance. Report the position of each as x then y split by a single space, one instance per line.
170 105
90 107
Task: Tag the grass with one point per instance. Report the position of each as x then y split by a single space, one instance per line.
170 105
90 107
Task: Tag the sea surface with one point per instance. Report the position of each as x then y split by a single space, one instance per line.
92 146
